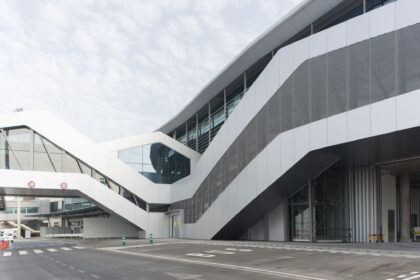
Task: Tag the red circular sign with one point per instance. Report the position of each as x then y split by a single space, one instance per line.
63 186
31 184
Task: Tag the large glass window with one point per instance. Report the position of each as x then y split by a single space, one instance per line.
157 162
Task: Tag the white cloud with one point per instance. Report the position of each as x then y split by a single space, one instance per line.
121 67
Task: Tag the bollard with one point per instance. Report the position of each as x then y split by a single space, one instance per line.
123 240
151 238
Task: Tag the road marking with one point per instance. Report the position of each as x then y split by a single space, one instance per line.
79 247
200 255
238 250
95 276
72 267
7 254
23 253
402 276
52 250
81 271
222 265
413 277
65 249
36 251
220 252
414 272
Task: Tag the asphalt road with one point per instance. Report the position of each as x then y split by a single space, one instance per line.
183 259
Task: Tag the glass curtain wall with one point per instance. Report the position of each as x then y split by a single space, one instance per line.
157 162
299 216
22 148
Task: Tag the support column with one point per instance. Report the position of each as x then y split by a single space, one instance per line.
311 212
266 227
405 208
18 218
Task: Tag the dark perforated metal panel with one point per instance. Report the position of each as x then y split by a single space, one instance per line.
359 74
251 140
383 77
301 95
232 162
408 58
261 129
337 81
241 149
286 103
318 87
273 117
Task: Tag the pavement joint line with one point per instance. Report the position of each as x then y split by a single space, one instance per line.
222 265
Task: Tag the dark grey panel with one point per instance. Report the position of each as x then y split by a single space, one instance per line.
301 95
241 149
261 129
232 162
251 140
359 75
337 81
318 87
286 104
273 117
383 78
408 58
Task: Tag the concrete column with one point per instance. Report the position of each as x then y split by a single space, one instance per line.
405 208
18 218
266 227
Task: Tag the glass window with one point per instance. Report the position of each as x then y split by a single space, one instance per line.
20 141
70 164
159 163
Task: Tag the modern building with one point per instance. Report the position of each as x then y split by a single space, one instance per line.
310 134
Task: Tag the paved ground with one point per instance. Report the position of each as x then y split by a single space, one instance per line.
188 259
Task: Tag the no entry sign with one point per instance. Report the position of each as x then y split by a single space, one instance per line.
31 184
64 186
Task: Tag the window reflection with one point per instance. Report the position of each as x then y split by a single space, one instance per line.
157 162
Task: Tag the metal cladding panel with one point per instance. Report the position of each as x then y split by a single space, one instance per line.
273 117
383 76
337 81
301 95
318 88
241 149
408 58
232 162
359 75
261 129
286 103
251 140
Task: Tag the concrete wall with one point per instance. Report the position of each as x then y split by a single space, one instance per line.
389 202
109 227
277 223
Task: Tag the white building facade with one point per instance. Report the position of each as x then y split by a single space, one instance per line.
309 134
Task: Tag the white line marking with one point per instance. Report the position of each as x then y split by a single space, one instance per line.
36 251
52 250
81 271
7 254
95 276
200 255
238 250
65 249
220 252
402 276
72 267
413 277
79 247
236 267
23 253
414 272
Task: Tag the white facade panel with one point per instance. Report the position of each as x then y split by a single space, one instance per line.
358 29
383 117
302 141
287 150
382 20
407 13
359 123
318 44
337 129
408 111
336 37
318 134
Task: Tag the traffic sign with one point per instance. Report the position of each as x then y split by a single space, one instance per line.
31 184
64 186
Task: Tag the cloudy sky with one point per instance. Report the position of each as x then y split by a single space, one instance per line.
118 68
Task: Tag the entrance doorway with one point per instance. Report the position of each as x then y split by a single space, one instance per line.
174 226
